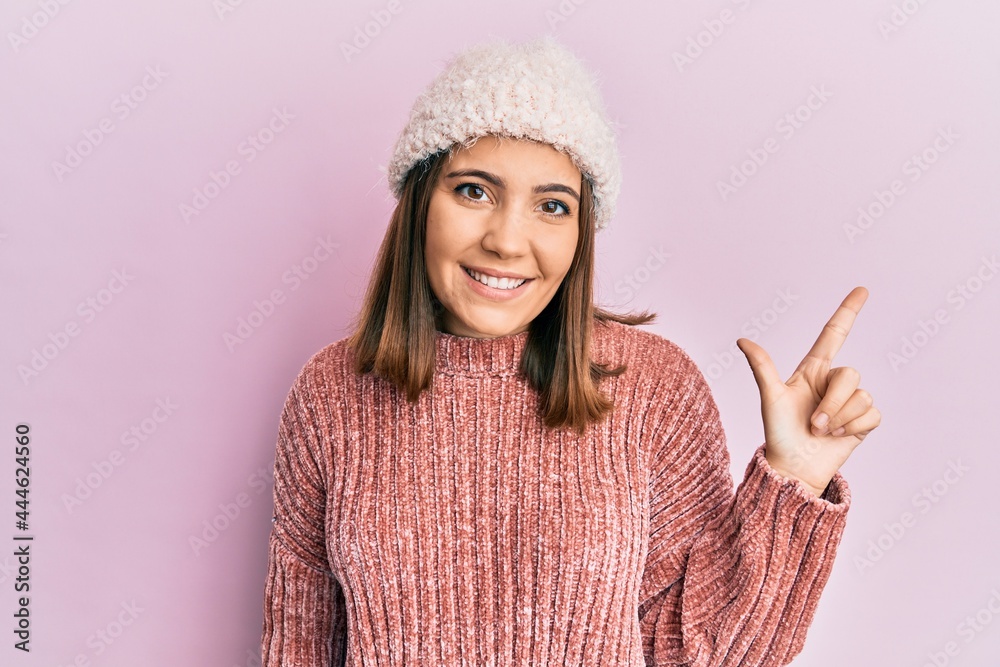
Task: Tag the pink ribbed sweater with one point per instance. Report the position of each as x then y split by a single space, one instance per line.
460 531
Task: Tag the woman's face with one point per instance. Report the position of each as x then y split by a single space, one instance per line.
503 208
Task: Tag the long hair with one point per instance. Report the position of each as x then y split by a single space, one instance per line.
395 329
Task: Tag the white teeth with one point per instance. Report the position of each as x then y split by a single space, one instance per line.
496 283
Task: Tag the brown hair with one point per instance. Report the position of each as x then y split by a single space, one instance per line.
394 332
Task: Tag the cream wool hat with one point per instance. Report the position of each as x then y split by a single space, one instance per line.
535 90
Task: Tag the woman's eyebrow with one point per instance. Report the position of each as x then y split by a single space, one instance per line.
500 183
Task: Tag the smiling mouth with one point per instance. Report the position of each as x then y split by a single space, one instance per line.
496 283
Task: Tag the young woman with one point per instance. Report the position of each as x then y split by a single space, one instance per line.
493 471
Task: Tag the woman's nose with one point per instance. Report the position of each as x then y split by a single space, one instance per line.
507 232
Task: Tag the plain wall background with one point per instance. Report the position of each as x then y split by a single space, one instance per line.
894 77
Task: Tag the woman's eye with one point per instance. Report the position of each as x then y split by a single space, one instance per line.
475 189
553 202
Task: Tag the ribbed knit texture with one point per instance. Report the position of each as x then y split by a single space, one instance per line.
460 531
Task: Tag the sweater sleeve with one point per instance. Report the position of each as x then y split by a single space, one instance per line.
304 612
730 579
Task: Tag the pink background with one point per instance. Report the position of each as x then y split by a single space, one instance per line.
160 333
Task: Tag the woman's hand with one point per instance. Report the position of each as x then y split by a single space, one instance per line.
814 421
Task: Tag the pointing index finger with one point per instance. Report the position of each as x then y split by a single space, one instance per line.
836 329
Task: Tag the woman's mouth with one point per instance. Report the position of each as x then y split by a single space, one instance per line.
504 284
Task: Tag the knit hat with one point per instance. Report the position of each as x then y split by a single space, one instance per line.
535 90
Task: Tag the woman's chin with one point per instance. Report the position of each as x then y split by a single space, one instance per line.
483 328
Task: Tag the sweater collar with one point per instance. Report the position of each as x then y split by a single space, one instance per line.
468 355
